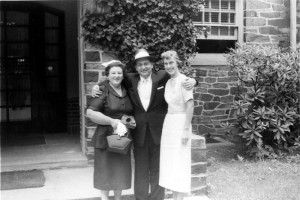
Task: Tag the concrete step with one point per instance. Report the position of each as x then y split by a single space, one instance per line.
47 165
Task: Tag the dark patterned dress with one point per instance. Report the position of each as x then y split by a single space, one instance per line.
112 171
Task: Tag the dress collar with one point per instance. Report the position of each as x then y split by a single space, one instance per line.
111 90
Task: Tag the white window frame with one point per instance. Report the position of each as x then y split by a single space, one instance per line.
219 58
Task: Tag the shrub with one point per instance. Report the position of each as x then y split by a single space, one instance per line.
125 26
268 113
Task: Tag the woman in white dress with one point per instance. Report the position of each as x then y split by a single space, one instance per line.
175 152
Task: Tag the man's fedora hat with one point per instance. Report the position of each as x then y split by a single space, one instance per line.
143 53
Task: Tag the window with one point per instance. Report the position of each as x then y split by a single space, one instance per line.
223 20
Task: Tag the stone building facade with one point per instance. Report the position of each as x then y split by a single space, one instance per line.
264 22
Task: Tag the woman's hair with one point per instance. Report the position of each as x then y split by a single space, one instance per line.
171 54
114 64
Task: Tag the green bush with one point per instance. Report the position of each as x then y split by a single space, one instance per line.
267 101
156 25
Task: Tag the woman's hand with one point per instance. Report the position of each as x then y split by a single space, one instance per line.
96 91
189 83
185 136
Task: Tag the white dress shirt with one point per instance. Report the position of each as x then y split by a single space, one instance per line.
145 89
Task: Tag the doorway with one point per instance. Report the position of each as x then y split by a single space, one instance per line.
32 70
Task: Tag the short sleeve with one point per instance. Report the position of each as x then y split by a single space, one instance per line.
187 94
97 104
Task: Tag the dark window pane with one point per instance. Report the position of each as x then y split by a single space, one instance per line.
198 18
3 83
215 4
232 31
206 17
51 52
53 84
214 46
18 99
224 5
3 98
17 34
1 67
2 50
206 4
51 36
52 68
19 82
224 30
20 114
17 50
232 5
51 20
18 66
215 17
3 115
232 18
224 17
17 18
1 18
214 30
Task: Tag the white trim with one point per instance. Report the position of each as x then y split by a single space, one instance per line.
81 78
293 24
214 24
208 59
240 20
216 37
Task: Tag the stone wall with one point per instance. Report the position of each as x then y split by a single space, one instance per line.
213 99
93 73
268 22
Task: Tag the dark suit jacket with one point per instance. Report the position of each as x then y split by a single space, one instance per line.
155 115
157 110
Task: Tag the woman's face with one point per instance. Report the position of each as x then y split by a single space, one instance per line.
171 66
115 76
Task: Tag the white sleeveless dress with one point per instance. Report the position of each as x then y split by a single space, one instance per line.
175 158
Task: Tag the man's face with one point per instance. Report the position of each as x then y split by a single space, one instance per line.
144 67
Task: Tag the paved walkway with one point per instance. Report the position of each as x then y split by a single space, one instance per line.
65 184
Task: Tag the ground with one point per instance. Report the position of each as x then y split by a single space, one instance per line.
233 176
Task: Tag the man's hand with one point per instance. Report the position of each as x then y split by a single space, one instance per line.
121 129
114 123
95 91
189 83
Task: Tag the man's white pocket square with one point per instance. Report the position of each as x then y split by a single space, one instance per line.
159 88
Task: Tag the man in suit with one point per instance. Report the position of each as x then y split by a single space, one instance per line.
146 90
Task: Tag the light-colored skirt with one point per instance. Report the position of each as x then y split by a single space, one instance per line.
175 157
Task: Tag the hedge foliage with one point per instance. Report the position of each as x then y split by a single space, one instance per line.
123 26
268 102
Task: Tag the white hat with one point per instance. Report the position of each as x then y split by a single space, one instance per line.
113 63
143 53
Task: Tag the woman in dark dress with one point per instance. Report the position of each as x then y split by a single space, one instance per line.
112 171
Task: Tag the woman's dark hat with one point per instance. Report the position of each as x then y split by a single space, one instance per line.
143 53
